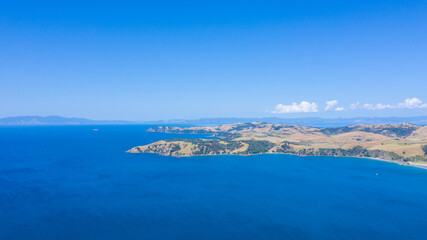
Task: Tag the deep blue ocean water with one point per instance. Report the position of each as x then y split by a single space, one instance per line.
69 182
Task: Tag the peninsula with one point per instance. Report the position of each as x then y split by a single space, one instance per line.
404 143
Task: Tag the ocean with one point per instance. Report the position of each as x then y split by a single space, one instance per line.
70 182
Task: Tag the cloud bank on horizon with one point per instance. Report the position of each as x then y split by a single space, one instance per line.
332 105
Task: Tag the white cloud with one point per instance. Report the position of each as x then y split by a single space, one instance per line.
378 106
412 103
409 103
331 104
303 106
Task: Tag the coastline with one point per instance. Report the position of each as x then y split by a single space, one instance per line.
404 144
410 164
417 165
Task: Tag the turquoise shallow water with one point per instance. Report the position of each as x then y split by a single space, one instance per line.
69 182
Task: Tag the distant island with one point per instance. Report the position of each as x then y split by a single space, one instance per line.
403 143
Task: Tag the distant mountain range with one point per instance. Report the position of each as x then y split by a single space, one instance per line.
314 122
53 120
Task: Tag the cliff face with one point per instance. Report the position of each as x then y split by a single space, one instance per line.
400 142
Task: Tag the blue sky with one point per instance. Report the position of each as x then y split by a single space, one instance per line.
165 60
